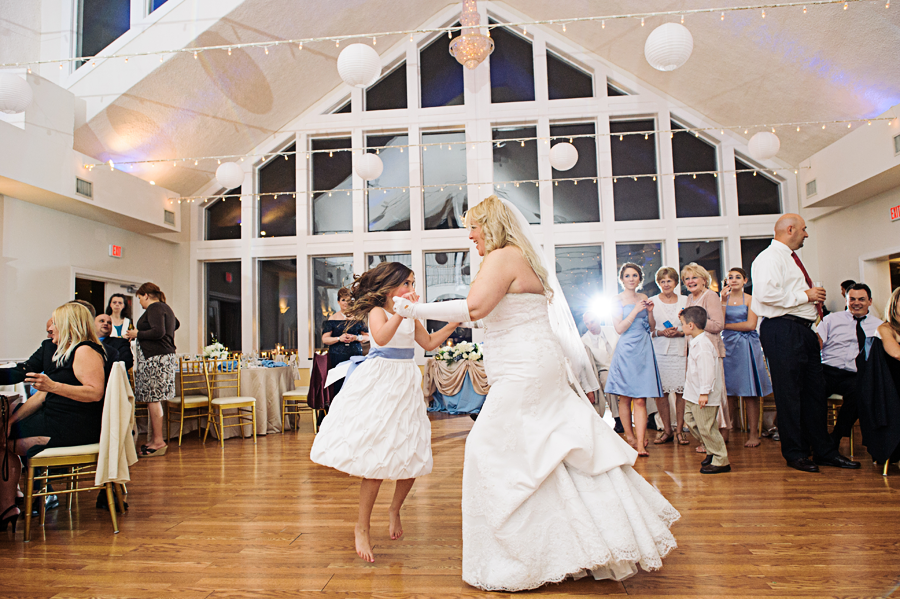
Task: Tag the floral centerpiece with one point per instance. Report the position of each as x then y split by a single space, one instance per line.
215 351
461 351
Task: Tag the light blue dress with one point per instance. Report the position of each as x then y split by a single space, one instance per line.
745 366
633 371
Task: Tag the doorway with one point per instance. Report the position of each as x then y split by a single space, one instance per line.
96 288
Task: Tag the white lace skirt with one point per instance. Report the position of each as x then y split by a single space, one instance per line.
672 372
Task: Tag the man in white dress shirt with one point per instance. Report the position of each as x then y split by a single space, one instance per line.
845 337
784 296
601 350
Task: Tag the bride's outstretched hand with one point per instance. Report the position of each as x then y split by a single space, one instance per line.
412 296
404 306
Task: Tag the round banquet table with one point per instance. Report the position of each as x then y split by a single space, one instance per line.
455 388
267 385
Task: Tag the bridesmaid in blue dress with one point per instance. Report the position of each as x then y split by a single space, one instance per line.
745 367
633 372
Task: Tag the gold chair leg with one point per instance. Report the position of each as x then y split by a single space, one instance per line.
221 429
181 425
887 462
111 503
120 497
315 417
253 419
42 504
29 500
70 485
168 416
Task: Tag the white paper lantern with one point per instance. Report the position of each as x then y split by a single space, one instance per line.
563 156
369 166
763 145
668 47
230 175
359 65
15 94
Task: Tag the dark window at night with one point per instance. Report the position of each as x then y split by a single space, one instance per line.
566 81
517 161
390 92
634 198
101 23
441 74
750 249
612 90
223 216
223 304
707 254
512 68
331 178
278 206
694 196
343 108
576 202
646 255
278 303
757 194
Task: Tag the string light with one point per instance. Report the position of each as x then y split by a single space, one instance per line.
449 30
722 18
642 21
682 19
764 13
804 10
522 140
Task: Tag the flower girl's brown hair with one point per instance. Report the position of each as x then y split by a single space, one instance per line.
370 289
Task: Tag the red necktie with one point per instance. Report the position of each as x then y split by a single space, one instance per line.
808 280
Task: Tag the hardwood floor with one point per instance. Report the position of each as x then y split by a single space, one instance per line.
263 521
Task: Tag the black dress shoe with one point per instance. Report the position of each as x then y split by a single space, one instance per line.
839 461
706 461
803 465
618 428
710 469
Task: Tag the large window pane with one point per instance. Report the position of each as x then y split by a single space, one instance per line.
102 22
389 208
329 274
757 194
444 176
278 205
517 161
577 201
373 260
646 255
332 178
447 277
441 75
634 198
154 4
707 254
512 68
567 81
696 195
750 249
390 92
223 304
278 303
580 274
223 216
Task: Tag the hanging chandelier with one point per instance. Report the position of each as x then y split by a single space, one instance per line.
471 48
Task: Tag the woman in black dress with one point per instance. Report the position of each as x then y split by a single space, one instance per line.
343 341
68 408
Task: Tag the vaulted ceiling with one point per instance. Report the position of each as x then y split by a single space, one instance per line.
828 64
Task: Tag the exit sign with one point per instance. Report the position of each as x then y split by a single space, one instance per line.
895 213
115 251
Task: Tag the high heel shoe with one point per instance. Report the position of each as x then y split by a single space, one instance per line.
4 519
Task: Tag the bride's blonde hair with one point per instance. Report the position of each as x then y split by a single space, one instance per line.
500 229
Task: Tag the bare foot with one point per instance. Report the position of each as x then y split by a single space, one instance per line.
643 454
753 442
363 548
700 449
396 528
631 441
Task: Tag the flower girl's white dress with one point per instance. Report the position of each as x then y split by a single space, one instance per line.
378 424
548 487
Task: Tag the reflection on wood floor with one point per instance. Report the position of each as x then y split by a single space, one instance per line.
263 521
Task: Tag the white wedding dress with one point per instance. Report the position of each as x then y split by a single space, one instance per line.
548 488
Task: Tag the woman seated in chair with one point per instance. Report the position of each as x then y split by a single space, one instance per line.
68 408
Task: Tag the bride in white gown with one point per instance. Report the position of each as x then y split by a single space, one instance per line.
548 488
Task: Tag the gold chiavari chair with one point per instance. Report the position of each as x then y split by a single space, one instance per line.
293 405
835 401
225 376
194 395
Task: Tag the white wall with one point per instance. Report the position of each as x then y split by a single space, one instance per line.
845 239
40 247
20 30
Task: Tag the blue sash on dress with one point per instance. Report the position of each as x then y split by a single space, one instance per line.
388 353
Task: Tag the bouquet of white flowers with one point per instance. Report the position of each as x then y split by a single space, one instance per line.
215 351
461 351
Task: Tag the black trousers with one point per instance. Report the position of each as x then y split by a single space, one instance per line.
795 363
842 382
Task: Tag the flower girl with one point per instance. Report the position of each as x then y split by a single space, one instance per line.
378 426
